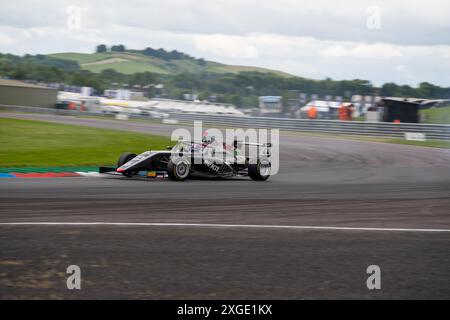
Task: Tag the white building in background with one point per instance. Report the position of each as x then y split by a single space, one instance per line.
123 94
190 96
270 104
169 105
118 94
87 91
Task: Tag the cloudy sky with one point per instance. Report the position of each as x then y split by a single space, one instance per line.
403 41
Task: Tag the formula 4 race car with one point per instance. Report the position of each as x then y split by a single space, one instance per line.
204 159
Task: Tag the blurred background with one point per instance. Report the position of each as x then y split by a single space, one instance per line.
289 59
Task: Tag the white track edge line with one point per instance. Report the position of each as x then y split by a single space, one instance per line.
218 225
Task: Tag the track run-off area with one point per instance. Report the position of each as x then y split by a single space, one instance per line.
336 207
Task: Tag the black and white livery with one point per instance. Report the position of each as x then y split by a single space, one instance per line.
204 159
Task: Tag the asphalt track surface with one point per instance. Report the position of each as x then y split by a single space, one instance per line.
323 182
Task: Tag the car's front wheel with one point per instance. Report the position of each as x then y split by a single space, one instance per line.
178 170
124 158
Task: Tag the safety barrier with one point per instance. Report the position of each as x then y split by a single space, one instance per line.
376 129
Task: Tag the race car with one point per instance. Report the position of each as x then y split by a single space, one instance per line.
203 159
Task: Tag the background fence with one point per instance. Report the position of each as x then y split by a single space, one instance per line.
376 129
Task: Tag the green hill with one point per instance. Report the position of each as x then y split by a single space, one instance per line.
130 62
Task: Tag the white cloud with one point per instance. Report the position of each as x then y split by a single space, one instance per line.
321 38
49 40
226 46
401 68
404 21
6 41
362 51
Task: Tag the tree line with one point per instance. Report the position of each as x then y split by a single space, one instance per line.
240 89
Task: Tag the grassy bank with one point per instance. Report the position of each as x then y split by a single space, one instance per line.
37 143
428 143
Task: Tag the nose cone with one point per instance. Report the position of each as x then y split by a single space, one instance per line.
120 170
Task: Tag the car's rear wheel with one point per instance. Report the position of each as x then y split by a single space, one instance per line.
259 171
178 170
124 158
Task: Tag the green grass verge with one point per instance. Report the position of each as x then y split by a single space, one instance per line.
428 143
38 143
30 143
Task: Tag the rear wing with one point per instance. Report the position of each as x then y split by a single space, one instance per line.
236 143
265 145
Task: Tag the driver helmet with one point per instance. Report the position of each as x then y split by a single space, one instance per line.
206 138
